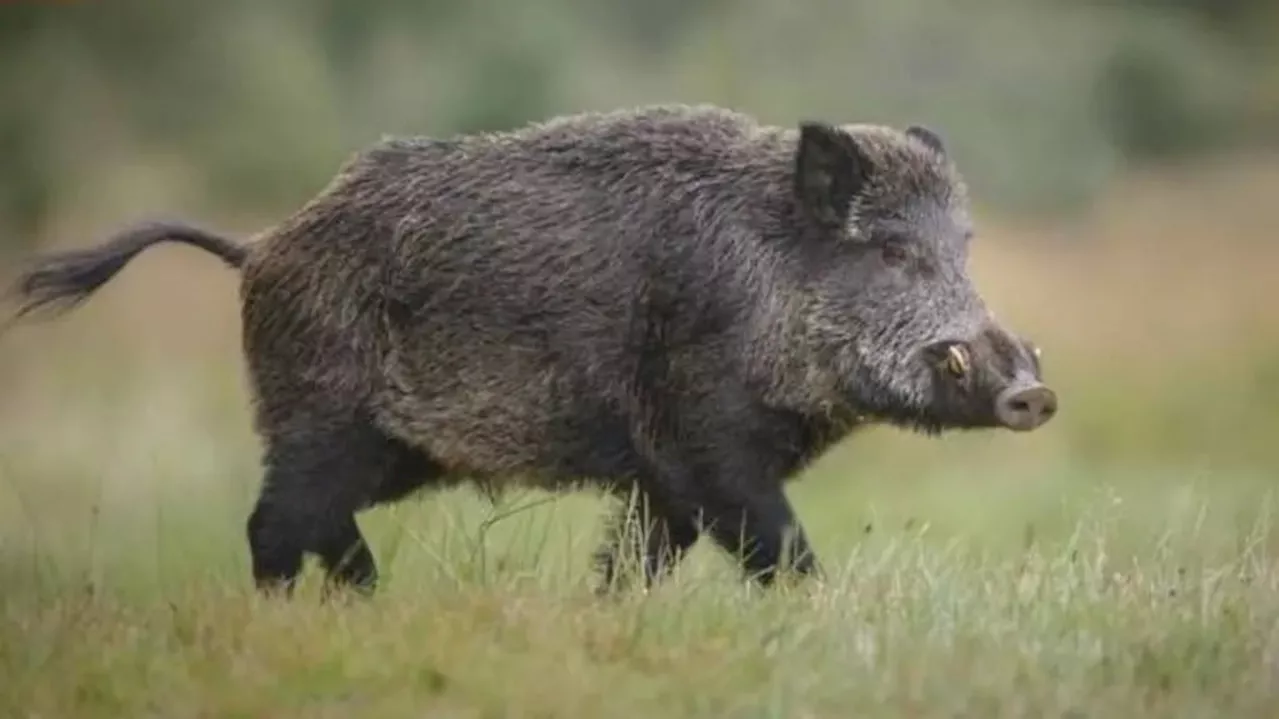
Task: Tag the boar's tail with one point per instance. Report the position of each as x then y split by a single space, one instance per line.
60 281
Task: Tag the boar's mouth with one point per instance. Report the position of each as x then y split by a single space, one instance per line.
992 384
989 382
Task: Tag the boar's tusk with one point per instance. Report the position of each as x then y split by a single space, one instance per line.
957 361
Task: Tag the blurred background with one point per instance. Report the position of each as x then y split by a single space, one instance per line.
1121 155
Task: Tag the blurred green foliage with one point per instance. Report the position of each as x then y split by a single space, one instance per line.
1041 99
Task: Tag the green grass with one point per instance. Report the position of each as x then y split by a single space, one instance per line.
1028 588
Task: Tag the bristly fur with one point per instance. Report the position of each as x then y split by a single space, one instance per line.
674 302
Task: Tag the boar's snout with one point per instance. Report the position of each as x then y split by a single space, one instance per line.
1025 407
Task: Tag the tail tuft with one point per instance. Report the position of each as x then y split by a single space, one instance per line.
58 282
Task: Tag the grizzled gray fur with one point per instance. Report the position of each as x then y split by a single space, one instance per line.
675 303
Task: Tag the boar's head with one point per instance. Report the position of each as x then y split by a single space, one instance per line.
887 316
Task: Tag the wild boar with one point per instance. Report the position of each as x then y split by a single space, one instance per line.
677 303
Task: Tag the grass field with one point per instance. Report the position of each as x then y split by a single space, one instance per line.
1120 563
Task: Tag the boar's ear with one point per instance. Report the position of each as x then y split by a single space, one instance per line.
928 137
830 170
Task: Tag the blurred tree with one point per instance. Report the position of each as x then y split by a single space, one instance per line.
649 25
159 59
350 28
1147 108
263 100
518 87
1240 21
1180 85
156 70
26 182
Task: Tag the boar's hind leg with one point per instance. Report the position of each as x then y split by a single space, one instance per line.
645 536
316 480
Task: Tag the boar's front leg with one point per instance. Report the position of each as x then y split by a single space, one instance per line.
735 497
758 526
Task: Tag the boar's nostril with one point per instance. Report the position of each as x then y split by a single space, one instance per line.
1027 407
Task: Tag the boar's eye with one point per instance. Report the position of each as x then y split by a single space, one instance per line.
894 253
